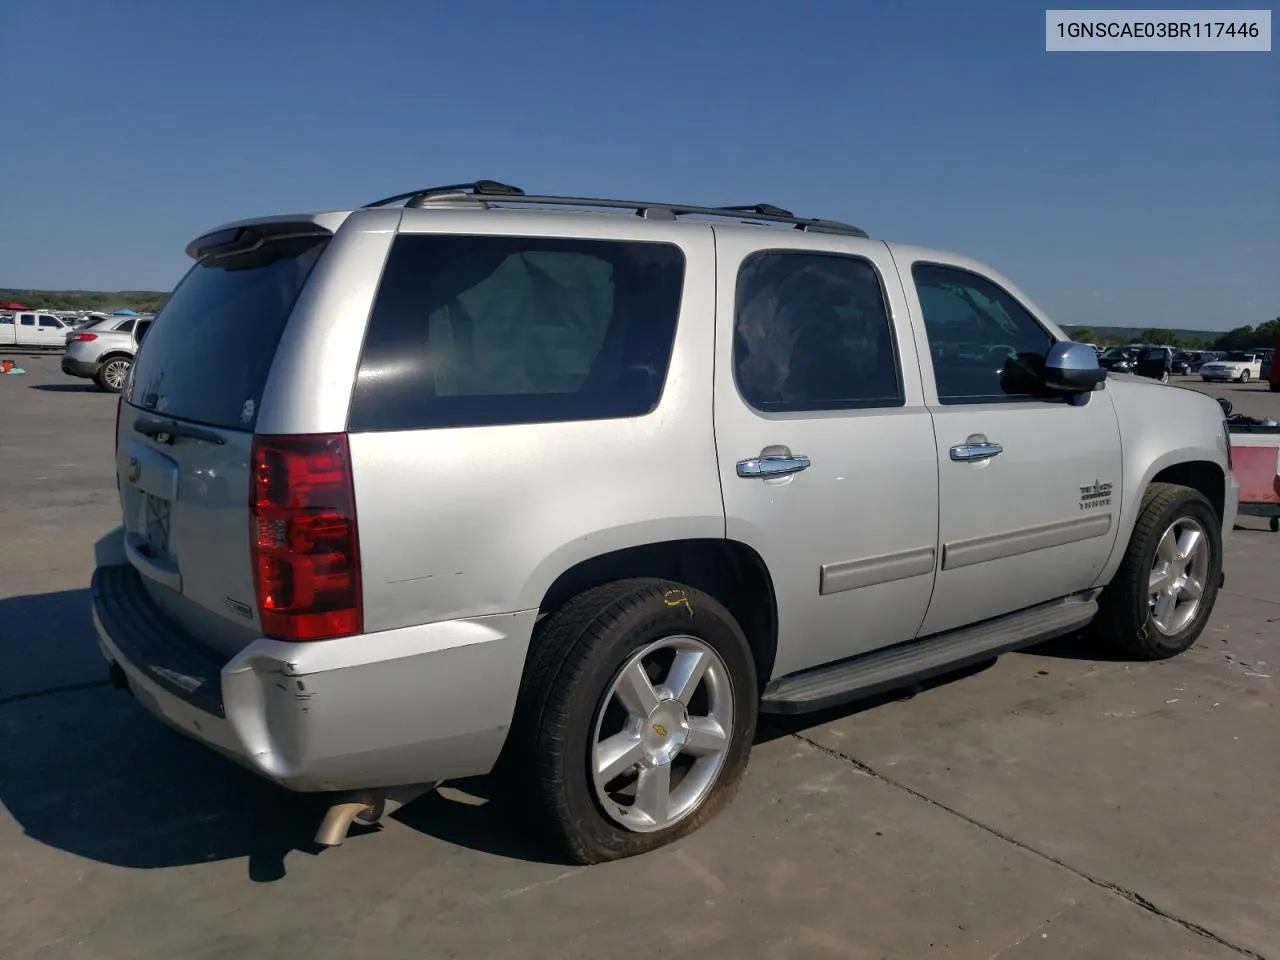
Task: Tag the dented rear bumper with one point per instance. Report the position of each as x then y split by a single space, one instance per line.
418 704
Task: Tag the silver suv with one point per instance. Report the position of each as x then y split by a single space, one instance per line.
101 351
541 487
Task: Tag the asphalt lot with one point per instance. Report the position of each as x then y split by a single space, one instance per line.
1049 805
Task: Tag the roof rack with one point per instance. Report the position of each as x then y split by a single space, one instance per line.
482 190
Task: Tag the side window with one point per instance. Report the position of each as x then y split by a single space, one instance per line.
6 321
50 322
486 330
985 345
27 320
127 326
812 332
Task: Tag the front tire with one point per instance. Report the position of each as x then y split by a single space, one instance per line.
1161 597
1244 376
635 719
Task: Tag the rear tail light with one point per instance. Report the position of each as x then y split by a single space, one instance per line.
306 560
82 337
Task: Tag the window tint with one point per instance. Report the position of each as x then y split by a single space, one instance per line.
6 320
474 330
208 353
50 322
126 327
812 332
27 320
984 344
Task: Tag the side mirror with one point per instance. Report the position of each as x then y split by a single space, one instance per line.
1072 368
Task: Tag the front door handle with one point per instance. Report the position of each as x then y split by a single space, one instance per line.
772 465
975 448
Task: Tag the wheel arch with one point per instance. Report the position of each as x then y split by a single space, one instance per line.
1203 475
728 570
1192 468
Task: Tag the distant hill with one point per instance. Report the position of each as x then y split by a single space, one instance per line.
1112 335
1241 338
143 301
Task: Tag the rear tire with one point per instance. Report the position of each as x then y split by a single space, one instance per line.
603 681
1244 376
113 373
1135 619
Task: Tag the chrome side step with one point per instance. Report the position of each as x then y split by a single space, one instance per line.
879 671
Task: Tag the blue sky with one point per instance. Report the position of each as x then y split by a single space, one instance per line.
1116 189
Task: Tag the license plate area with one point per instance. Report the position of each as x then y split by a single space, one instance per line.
155 525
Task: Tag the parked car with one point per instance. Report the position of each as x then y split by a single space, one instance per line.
418 493
1144 360
1120 359
1186 362
33 329
1267 371
101 352
1239 365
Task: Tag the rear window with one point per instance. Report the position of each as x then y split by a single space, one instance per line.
209 350
478 331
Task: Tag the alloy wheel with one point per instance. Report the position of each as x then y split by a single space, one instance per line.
114 373
1179 576
661 734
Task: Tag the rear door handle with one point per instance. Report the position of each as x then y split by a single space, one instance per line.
772 465
975 449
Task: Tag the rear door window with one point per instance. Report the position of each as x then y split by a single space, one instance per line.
812 332
210 349
479 330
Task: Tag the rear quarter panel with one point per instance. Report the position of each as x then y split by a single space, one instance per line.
470 521
1160 426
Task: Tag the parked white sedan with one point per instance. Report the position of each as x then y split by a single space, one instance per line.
1239 365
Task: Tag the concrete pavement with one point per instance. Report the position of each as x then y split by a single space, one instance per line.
1050 805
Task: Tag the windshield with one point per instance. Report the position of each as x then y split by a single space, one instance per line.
1239 356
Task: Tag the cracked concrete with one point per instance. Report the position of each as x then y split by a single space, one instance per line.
1048 806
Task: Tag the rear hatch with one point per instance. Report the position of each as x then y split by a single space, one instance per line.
187 419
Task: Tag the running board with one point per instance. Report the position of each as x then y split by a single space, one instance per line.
887 669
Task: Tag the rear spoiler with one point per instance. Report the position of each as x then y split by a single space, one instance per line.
246 235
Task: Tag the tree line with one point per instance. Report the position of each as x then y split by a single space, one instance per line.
1247 337
97 301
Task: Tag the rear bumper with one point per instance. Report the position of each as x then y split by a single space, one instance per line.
404 706
80 368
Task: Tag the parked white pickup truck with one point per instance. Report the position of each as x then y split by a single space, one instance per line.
33 329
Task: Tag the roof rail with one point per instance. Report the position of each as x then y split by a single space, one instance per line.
482 190
478 188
